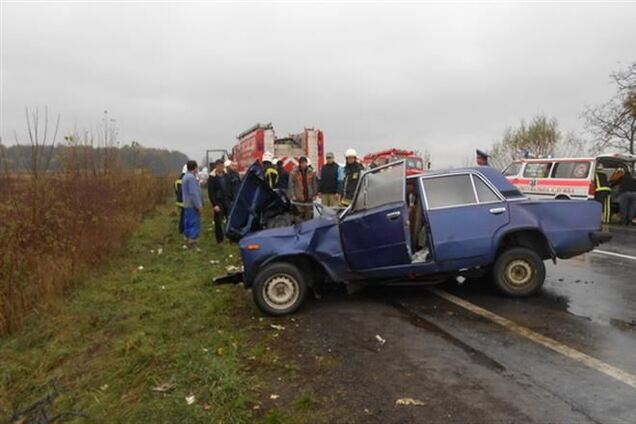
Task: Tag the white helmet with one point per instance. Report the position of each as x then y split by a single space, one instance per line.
351 153
274 161
185 169
267 157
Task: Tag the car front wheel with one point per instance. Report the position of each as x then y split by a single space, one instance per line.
519 272
279 289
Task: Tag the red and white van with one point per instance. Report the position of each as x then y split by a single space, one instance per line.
564 178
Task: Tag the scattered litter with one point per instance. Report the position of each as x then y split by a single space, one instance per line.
104 387
220 351
163 287
380 340
273 396
230 255
366 411
198 249
190 399
152 251
205 349
159 251
460 279
232 268
165 387
213 262
256 407
277 327
184 247
140 268
409 402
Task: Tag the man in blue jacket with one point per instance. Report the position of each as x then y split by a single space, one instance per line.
192 204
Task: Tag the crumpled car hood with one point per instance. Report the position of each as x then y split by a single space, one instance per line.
254 203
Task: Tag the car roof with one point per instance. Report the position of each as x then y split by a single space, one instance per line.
493 175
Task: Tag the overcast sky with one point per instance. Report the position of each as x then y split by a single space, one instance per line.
447 78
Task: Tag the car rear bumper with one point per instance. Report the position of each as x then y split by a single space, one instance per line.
599 237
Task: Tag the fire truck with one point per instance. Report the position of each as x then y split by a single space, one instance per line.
261 138
414 162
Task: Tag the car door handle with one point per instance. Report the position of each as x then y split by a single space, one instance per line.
393 215
497 211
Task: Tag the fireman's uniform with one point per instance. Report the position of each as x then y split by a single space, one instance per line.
603 194
271 175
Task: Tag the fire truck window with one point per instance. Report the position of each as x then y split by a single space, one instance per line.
512 169
537 170
571 170
454 190
484 193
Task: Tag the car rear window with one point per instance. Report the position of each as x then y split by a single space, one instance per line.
453 190
571 170
537 170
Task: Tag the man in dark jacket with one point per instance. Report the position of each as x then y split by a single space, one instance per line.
234 178
219 192
626 196
352 173
178 192
329 182
283 176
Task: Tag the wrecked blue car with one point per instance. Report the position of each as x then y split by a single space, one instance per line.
423 229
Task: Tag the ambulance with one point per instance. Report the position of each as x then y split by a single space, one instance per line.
261 138
565 178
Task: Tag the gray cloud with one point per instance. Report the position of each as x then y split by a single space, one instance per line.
447 78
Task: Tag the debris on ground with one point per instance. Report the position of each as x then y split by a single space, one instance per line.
165 387
409 402
380 340
140 268
273 396
213 262
232 268
277 327
190 399
160 251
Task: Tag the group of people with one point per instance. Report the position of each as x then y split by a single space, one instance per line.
335 185
620 187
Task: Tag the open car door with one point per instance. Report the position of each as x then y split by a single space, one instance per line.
374 231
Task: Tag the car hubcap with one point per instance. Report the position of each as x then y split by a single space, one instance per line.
280 291
518 272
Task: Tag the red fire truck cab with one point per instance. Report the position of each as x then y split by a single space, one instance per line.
261 138
414 162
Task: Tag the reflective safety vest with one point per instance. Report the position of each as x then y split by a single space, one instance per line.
601 182
271 176
178 191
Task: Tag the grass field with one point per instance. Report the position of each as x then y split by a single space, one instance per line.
131 344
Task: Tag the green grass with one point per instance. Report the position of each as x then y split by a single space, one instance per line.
125 331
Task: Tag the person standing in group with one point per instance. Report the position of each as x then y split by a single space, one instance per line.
178 192
603 192
352 172
271 173
234 179
219 192
626 197
330 180
283 177
481 158
303 188
192 204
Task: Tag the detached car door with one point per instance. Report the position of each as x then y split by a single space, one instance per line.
464 211
374 231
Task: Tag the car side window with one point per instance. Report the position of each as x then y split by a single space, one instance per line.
571 170
537 170
452 190
484 193
381 186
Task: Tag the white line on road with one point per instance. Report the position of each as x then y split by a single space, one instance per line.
605 368
619 255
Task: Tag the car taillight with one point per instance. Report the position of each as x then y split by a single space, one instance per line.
592 190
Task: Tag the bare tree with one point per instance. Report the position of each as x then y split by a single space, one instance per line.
613 123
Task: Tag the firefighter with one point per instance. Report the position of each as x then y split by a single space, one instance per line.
352 172
178 192
271 173
603 192
481 158
283 176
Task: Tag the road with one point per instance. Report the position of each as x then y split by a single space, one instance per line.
470 355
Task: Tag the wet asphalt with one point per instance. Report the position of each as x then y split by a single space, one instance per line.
467 368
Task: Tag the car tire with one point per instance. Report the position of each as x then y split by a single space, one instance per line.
518 272
279 289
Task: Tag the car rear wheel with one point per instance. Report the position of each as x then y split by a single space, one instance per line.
519 272
279 289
